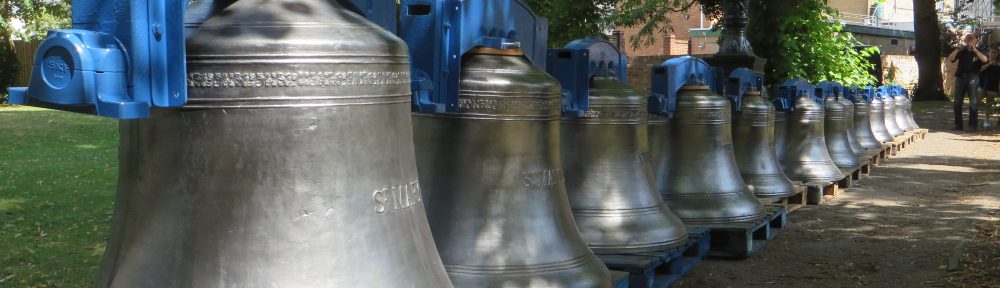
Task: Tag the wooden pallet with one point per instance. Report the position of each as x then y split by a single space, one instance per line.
790 203
921 133
819 192
877 155
852 176
661 268
739 240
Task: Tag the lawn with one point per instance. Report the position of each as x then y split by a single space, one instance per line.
58 174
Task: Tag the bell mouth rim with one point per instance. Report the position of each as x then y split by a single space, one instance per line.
496 51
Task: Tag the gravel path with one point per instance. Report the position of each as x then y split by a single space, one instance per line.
896 228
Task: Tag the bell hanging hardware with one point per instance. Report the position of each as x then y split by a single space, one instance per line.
577 63
116 62
739 82
441 31
669 77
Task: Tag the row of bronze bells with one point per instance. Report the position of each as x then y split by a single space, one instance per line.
281 178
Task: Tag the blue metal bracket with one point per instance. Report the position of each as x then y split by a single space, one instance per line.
851 93
868 92
439 32
883 92
786 93
828 88
577 63
739 82
121 58
669 77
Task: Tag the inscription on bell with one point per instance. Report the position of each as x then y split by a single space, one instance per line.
758 118
544 178
702 116
490 105
613 114
395 198
810 117
295 79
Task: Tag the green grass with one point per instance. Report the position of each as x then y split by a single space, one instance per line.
58 174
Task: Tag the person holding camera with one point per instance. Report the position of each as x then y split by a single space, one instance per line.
967 80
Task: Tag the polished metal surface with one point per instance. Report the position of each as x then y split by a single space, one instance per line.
753 142
902 120
493 183
608 178
859 150
909 114
291 165
780 128
876 113
862 125
703 184
806 157
835 131
889 112
658 129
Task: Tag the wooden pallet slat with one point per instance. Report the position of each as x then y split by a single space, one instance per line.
741 239
661 268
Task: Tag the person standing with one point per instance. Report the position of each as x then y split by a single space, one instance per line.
967 80
989 81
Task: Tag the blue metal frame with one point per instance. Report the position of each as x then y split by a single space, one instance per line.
440 32
121 58
382 12
669 77
577 63
739 82
786 93
827 88
851 93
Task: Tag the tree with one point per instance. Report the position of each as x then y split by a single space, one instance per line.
799 38
573 19
930 84
38 17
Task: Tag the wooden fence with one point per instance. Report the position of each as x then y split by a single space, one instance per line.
25 52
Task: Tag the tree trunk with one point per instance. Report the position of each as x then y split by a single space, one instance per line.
928 36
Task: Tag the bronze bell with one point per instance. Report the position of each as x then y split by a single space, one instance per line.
493 181
658 131
889 112
806 157
703 183
909 114
753 138
876 113
862 122
859 150
780 128
902 121
271 174
615 203
835 131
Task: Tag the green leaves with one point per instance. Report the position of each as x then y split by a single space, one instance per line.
802 39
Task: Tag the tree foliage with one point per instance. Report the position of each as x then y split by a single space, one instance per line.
573 19
799 38
38 16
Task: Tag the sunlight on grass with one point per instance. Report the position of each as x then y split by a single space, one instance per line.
59 172
9 203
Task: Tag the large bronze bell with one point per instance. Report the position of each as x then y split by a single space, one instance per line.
703 183
909 111
862 124
780 128
876 113
859 151
889 112
753 139
493 182
806 157
835 131
902 106
611 188
658 132
291 165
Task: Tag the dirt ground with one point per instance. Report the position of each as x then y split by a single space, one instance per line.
897 228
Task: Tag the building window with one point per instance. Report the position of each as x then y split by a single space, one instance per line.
893 41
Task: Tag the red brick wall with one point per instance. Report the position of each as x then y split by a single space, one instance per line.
674 42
